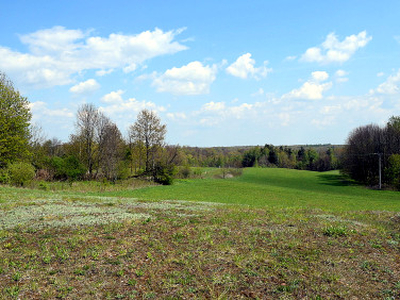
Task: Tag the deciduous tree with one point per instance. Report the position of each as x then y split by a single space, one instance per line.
148 130
86 122
15 116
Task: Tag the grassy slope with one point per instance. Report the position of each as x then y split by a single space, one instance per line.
277 188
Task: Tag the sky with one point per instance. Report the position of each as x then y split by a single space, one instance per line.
217 73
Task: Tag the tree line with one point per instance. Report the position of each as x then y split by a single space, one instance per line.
98 150
372 154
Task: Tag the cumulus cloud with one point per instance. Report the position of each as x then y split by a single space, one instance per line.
39 110
332 50
214 106
192 79
320 76
312 89
391 86
57 53
85 87
244 67
113 97
115 105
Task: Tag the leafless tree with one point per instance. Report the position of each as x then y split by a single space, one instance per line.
87 118
362 151
110 150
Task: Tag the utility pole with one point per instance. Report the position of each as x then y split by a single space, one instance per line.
380 170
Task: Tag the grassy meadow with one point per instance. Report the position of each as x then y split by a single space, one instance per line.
267 234
275 188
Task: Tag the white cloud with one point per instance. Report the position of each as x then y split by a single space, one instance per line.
57 53
116 106
240 111
192 79
214 106
333 50
57 40
101 73
85 87
309 91
341 76
391 86
326 121
331 109
128 69
39 109
214 113
177 116
113 97
290 58
312 89
243 68
319 76
341 73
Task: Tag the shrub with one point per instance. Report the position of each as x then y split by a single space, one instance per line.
73 168
21 173
4 176
67 168
164 174
43 186
184 172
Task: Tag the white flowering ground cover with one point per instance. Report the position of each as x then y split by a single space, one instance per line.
81 210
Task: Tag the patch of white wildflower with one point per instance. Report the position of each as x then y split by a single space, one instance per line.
66 211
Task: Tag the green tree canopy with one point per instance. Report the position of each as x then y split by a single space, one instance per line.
14 123
148 130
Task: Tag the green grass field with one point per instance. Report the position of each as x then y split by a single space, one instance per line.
276 188
268 234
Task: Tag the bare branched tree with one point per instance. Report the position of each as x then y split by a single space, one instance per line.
111 150
87 118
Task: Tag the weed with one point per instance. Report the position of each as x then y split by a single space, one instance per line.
12 291
79 272
367 265
132 282
139 273
16 276
335 231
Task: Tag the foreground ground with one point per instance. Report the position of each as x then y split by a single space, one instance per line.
80 246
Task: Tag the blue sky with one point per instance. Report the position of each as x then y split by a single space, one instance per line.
218 73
